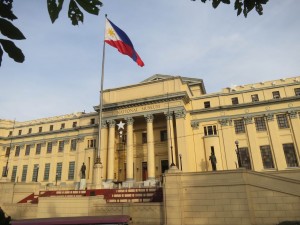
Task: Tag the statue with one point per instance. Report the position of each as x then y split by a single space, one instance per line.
213 161
83 168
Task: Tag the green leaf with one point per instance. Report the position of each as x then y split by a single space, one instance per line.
90 6
75 13
6 9
12 50
216 3
1 54
249 5
238 6
10 31
226 1
259 9
54 9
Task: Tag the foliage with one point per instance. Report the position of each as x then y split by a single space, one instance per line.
76 15
9 30
54 7
244 6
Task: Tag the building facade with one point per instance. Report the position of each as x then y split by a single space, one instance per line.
163 120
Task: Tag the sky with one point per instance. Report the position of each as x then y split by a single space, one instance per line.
62 69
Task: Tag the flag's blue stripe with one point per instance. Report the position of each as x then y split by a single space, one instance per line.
122 35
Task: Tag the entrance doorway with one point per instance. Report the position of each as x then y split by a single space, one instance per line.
164 165
144 171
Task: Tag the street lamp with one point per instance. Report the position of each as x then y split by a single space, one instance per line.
180 161
237 151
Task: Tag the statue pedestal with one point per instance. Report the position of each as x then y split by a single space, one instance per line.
82 184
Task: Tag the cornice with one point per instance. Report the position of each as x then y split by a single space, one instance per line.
145 101
245 105
217 94
49 132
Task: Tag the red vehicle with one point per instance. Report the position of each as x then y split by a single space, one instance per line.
80 220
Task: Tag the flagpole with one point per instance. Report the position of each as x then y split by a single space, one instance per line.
97 178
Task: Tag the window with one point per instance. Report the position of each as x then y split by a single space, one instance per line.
92 121
4 171
282 121
163 135
276 94
40 129
27 150
7 152
46 171
38 149
20 132
61 146
71 170
235 101
49 147
10 133
210 130
92 143
17 152
266 156
239 126
58 170
245 158
62 126
29 130
144 137
74 124
73 144
207 104
51 128
14 174
35 172
24 173
260 124
290 155
297 91
255 98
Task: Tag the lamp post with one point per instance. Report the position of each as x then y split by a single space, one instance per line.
237 151
37 173
180 158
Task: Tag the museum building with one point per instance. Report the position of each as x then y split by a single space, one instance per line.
164 120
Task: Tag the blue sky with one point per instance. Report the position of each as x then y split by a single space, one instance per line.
62 70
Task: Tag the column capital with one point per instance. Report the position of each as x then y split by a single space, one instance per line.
225 122
195 125
129 120
270 116
149 118
169 115
111 123
103 124
248 120
180 114
292 114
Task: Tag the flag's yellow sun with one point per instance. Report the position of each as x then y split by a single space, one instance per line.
111 32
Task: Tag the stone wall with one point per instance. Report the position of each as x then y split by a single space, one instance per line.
230 197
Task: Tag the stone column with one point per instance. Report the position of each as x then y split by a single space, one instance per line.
254 151
275 142
295 126
170 130
111 150
150 145
129 148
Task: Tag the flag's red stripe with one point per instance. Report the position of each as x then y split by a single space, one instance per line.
126 50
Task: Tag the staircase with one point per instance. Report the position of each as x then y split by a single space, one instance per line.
134 195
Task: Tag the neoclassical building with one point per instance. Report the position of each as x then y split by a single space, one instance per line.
160 121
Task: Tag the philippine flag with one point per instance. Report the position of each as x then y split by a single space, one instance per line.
117 38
